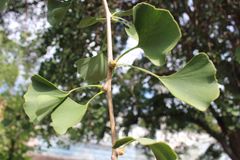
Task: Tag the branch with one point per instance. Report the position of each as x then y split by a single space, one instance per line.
108 84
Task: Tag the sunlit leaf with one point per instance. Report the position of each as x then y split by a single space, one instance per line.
57 11
93 69
158 32
67 115
161 150
195 84
41 98
88 21
3 4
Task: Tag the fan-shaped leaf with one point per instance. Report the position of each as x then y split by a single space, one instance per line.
195 84
68 114
41 98
93 69
161 150
157 31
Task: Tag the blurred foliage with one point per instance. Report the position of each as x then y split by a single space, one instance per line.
209 26
15 129
9 67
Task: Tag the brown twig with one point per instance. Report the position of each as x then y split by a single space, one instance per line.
108 84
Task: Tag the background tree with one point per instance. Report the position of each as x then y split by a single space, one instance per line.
15 128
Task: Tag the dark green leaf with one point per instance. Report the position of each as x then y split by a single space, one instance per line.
67 115
93 69
123 141
161 150
88 21
195 84
157 31
57 11
41 98
3 4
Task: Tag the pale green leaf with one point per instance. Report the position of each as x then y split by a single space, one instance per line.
161 150
67 115
41 98
195 84
93 69
88 21
157 31
3 4
57 11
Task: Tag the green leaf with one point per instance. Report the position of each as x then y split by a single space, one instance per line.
93 69
57 11
3 4
68 114
161 150
195 84
88 21
123 141
41 98
157 31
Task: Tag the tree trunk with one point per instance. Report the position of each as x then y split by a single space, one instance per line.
234 143
231 145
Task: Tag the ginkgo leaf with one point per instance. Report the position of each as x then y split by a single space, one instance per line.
67 115
3 4
161 150
57 11
93 69
88 21
158 32
123 142
194 84
41 98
